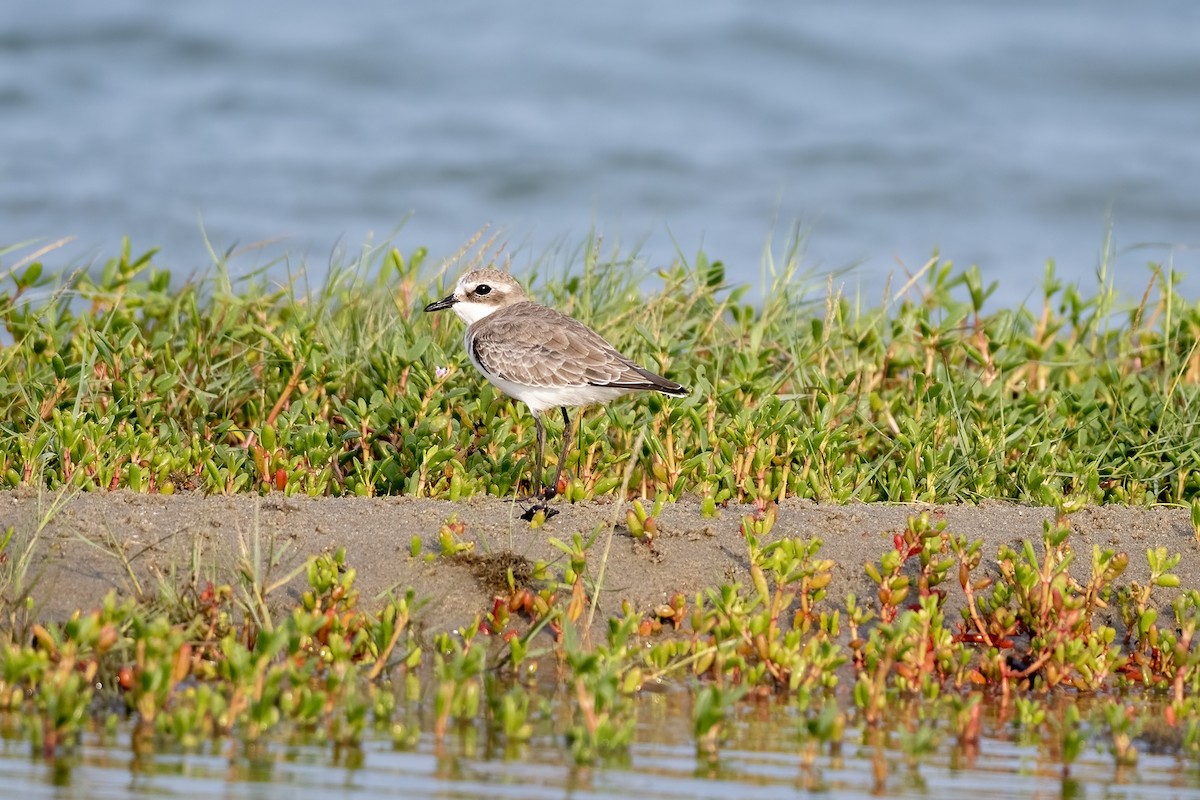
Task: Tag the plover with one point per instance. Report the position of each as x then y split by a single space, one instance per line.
541 357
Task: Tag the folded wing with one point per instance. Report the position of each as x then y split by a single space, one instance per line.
537 346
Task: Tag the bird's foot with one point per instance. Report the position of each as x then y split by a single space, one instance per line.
533 510
540 499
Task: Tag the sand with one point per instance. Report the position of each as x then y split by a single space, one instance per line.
90 544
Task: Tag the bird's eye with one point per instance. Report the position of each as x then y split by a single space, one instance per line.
483 289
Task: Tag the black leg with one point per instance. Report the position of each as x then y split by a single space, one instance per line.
540 496
541 450
562 456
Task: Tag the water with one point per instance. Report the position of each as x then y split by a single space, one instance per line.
761 760
1002 134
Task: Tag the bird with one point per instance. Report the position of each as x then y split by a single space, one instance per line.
542 357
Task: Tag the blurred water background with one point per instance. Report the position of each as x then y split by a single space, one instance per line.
1001 134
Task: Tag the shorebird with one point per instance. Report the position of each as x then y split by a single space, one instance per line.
543 358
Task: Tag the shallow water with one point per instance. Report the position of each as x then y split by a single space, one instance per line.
762 758
1004 134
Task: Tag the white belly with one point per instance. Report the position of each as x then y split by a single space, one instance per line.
541 398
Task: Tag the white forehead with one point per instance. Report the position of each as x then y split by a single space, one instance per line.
496 280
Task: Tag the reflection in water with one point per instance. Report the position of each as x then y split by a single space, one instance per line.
765 754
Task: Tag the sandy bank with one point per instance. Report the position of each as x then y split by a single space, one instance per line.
76 554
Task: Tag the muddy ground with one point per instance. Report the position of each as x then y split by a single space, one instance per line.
89 544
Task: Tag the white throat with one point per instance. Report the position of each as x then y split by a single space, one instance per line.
471 312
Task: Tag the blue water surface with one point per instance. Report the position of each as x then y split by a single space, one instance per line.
1002 133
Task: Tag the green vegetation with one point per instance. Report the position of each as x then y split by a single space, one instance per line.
129 376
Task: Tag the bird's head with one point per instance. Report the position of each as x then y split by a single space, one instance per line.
481 292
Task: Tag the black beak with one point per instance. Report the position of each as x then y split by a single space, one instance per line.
445 302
